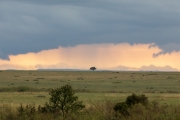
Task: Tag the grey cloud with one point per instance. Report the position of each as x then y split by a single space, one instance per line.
174 47
34 25
168 48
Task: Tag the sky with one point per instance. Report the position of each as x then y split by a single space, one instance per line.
108 34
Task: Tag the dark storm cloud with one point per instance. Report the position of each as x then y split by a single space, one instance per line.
34 25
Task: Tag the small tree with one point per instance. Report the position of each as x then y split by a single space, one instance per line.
63 101
93 68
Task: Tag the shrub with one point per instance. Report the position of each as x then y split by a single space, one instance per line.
136 99
63 101
121 107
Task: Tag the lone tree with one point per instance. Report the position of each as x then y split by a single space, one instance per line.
93 68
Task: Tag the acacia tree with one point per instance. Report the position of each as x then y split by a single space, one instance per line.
93 68
63 101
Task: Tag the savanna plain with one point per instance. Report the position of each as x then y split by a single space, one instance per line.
98 90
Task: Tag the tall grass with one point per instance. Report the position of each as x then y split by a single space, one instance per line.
95 111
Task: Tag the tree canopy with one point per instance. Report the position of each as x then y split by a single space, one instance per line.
93 68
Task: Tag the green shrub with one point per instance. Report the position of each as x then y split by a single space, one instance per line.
63 101
121 107
136 99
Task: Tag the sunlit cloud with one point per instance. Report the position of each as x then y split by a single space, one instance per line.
122 56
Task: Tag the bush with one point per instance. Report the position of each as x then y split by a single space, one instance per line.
121 107
135 99
63 101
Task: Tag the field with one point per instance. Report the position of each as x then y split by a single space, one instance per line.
33 86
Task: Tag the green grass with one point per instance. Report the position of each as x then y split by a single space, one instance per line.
98 90
32 86
94 81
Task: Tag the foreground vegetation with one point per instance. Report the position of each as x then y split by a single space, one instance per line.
104 110
99 92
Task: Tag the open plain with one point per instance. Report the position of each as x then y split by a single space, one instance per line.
33 86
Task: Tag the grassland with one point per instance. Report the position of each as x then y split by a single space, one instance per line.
99 91
32 86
